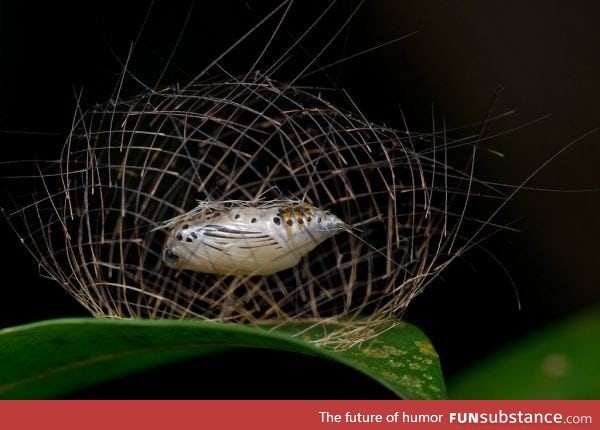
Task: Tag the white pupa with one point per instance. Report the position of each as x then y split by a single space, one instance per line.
240 238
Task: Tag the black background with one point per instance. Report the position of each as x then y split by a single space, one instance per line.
537 59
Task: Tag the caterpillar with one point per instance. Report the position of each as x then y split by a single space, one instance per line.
236 238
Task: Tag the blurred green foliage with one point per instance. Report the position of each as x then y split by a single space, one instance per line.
559 362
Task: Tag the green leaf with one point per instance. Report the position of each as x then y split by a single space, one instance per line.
560 362
57 357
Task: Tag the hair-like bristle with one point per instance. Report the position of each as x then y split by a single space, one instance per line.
133 168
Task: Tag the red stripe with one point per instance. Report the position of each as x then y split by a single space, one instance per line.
305 415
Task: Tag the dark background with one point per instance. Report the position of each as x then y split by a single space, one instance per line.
540 58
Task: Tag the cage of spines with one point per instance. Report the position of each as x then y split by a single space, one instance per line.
98 223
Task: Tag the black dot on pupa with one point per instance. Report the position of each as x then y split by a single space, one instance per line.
185 226
194 235
276 220
178 236
253 220
300 221
188 239
309 219
319 219
236 216
290 222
